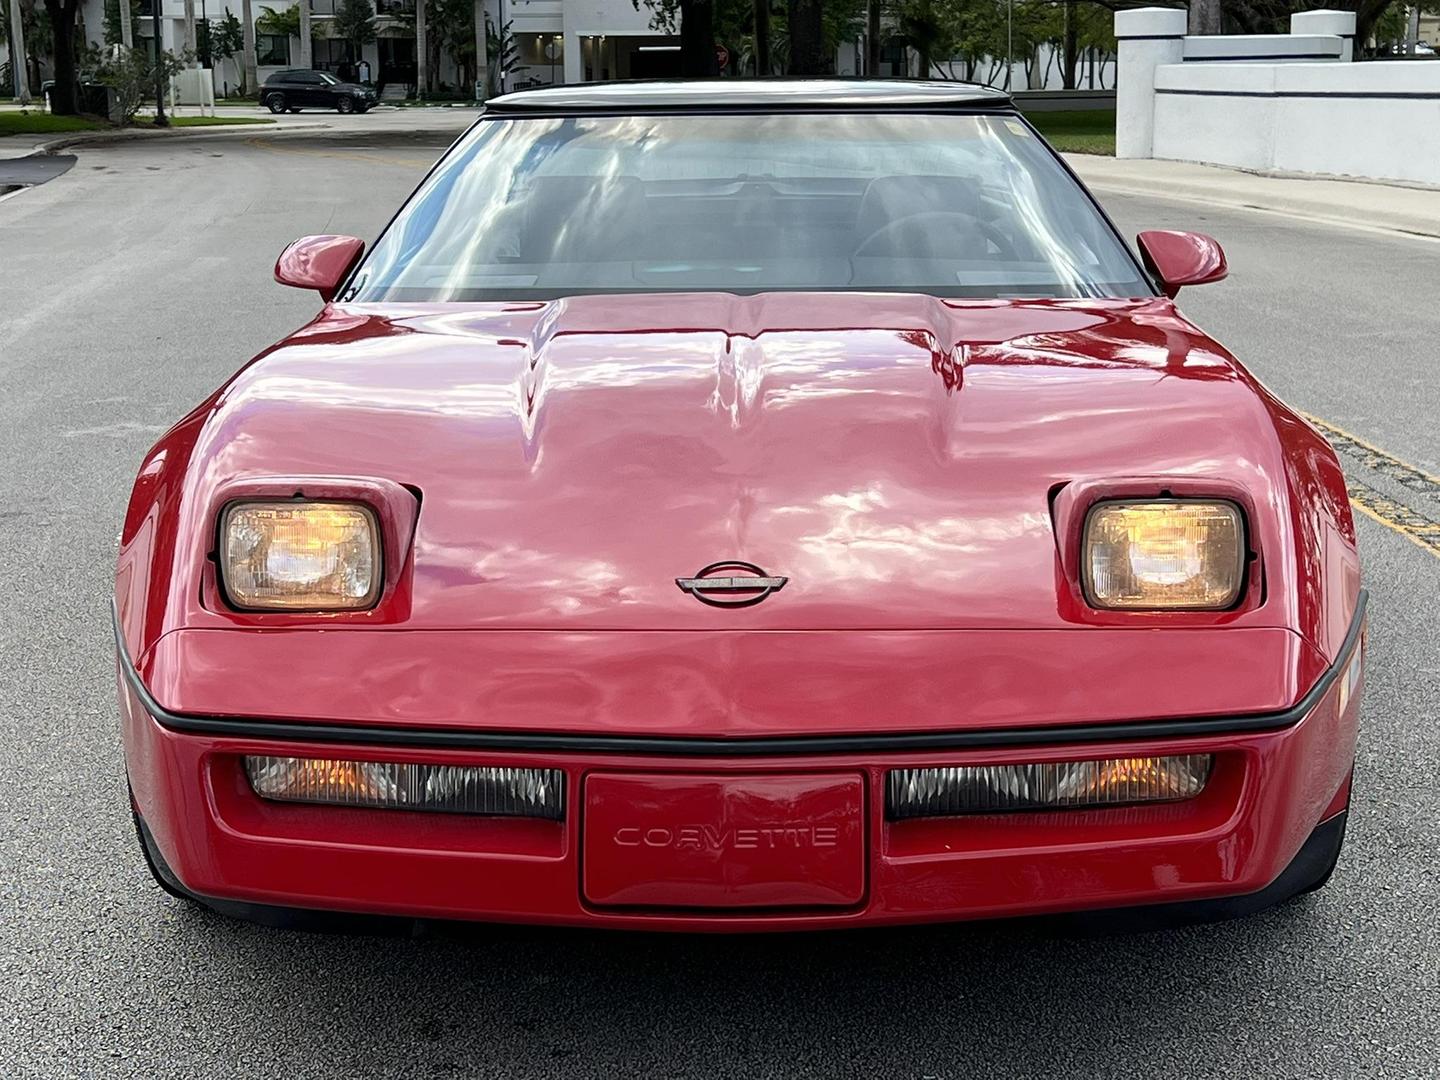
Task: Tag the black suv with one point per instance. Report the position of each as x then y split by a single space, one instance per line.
299 88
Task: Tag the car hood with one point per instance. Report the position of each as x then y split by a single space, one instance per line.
893 456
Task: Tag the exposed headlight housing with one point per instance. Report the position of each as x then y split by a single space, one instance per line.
1053 785
493 791
300 556
1159 555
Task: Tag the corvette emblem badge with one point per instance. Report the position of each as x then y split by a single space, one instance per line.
731 584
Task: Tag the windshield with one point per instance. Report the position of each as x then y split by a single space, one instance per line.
946 205
328 79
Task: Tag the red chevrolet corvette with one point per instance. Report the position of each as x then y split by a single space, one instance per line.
742 506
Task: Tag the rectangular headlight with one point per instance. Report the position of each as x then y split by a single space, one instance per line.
458 789
997 789
300 556
1164 555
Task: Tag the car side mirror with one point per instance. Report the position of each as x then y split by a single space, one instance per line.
1182 258
318 262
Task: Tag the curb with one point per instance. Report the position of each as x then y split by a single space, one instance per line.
122 135
1281 194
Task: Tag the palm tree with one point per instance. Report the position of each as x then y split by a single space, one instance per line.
307 44
422 57
17 54
252 76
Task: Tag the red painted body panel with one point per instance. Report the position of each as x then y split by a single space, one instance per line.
318 262
910 465
747 683
1179 259
893 455
1267 793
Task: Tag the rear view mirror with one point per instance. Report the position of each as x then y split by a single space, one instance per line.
1182 258
318 262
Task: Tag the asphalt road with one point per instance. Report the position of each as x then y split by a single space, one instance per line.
136 282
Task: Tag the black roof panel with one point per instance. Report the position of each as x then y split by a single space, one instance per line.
750 95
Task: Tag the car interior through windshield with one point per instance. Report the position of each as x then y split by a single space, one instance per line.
951 205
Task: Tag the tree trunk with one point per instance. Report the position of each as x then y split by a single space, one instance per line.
17 54
762 37
872 39
807 44
1072 47
191 42
307 42
252 76
697 39
62 29
1204 16
481 58
422 53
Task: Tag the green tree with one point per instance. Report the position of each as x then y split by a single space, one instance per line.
113 35
450 28
354 23
285 22
929 28
63 54
225 37
130 74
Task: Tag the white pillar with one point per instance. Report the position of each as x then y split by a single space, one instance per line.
306 59
1148 38
127 30
574 61
1339 23
17 58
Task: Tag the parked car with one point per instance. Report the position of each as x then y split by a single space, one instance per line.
300 88
743 505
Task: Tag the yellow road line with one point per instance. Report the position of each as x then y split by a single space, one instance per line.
1395 516
342 155
1420 530
1371 456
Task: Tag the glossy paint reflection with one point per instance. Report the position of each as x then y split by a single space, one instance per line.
892 455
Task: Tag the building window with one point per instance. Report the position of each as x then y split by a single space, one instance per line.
331 55
272 50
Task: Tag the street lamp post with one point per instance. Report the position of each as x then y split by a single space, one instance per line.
161 120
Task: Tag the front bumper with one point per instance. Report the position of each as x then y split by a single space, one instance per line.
1269 791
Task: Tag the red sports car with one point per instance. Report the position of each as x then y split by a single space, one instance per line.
742 506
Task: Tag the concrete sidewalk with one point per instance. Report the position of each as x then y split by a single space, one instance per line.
1351 203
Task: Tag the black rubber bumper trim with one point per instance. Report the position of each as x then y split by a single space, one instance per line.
524 741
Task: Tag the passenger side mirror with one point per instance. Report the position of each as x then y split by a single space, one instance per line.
318 262
1182 258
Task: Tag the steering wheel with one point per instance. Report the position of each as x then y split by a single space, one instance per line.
925 234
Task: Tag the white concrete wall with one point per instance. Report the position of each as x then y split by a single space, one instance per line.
1378 120
1146 38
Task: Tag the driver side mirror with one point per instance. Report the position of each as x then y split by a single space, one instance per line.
318 262
1182 258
